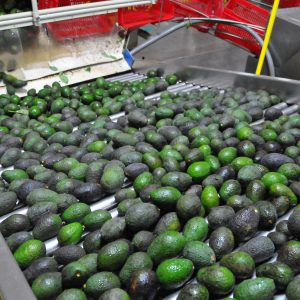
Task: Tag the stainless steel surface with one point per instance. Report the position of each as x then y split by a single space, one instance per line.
202 48
285 43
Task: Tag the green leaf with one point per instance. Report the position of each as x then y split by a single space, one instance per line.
88 69
53 68
22 112
64 78
109 56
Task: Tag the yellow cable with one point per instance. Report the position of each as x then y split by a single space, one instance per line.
267 38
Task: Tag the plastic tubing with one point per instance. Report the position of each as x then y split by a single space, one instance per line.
192 21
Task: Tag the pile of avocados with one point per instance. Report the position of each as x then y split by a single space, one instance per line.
200 192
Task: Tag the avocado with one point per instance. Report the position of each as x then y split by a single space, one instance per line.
193 155
90 262
241 264
245 223
112 178
124 205
44 176
137 118
279 189
199 253
125 193
69 186
165 197
221 241
74 274
67 254
238 202
292 291
166 245
274 160
267 215
220 216
290 170
88 192
281 273
227 173
295 187
135 169
55 179
209 197
47 227
101 282
65 165
13 224
9 157
169 221
136 261
50 158
143 180
64 201
78 172
278 239
70 234
272 113
188 206
115 293
293 224
28 252
24 163
196 229
113 229
218 280
72 294
76 212
152 160
256 190
39 195
95 170
145 193
178 180
113 255
141 216
282 205
94 220
289 254
10 175
47 285
258 288
29 186
195 189
92 242
143 285
273 177
142 239
283 227
260 248
8 201
193 291
174 273
14 185
18 238
40 266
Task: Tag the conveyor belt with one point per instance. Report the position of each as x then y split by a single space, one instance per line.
108 202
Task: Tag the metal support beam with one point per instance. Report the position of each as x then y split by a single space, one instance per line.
37 17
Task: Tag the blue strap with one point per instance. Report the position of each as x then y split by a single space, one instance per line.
128 57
